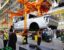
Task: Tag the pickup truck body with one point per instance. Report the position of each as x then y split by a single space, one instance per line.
35 22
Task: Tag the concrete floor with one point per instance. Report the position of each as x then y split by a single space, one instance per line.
55 44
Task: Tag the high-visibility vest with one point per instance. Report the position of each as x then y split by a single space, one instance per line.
36 37
6 37
24 40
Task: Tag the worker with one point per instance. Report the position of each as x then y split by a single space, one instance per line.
6 38
1 40
39 38
25 35
11 29
12 40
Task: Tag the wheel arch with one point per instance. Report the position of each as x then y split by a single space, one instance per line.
34 26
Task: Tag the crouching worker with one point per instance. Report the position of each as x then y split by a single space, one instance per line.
25 37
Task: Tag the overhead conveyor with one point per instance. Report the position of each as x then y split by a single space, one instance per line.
8 8
2 6
56 10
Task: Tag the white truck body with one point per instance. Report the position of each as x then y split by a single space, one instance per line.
40 22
